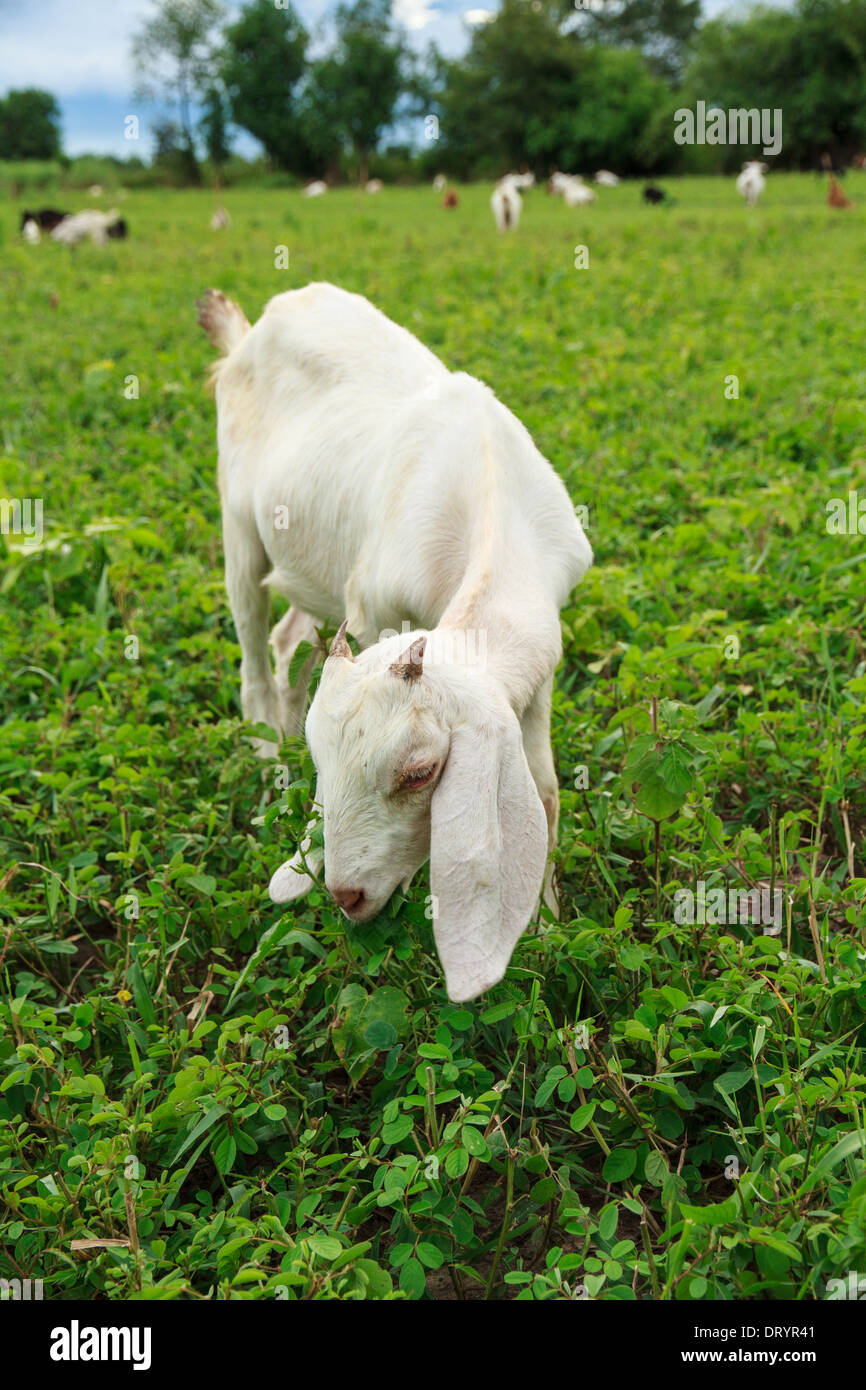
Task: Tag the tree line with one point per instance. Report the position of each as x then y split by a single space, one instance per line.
572 84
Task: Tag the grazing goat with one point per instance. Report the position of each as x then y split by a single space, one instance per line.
374 185
751 182
31 233
89 226
220 220
370 485
607 179
315 189
576 192
651 194
46 218
506 201
835 196
450 200
440 183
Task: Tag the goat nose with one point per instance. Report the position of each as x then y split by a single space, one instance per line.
349 899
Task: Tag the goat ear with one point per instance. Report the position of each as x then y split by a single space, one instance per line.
488 850
291 880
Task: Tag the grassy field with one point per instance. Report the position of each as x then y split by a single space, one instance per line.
258 1104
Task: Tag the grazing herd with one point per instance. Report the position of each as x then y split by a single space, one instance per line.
506 202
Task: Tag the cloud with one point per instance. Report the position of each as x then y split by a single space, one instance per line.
414 14
477 16
69 49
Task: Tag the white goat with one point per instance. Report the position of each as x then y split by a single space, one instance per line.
440 183
221 220
369 484
85 226
751 182
576 192
374 185
506 201
315 189
606 179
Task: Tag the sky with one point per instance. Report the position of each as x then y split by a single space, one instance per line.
79 50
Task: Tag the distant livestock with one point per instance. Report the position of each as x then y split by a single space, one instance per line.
31 233
374 185
651 194
576 193
571 187
751 182
450 200
315 189
506 203
835 197
46 218
606 179
90 226
220 220
440 183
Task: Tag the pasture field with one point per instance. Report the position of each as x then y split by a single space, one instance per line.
276 1104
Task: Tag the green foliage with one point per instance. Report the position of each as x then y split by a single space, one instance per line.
271 1103
809 62
29 125
353 91
262 63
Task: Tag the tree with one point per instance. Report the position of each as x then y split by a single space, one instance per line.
809 62
214 128
354 91
29 125
173 57
527 92
661 29
263 62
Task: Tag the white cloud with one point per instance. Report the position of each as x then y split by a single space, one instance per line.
69 49
477 16
415 14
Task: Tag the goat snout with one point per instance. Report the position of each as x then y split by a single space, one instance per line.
351 900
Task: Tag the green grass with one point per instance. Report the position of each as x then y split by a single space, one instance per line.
269 1104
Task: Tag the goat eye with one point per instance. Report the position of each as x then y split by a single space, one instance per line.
417 777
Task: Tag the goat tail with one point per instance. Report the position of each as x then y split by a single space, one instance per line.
222 320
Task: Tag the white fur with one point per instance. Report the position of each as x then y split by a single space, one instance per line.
366 482
751 182
315 189
606 179
506 201
85 226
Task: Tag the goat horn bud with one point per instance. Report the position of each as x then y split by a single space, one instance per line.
409 667
339 646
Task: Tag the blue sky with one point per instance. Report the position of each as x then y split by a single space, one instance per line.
79 50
